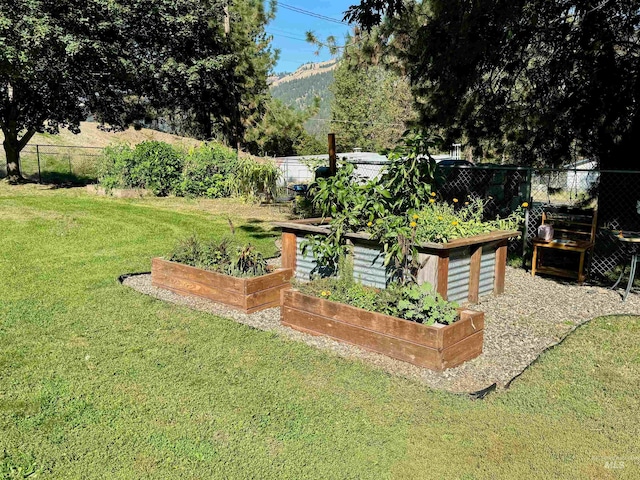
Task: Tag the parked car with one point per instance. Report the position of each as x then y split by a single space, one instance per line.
454 163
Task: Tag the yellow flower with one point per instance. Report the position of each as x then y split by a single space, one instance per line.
413 224
440 218
432 200
466 203
370 224
525 204
433 194
415 217
325 293
455 200
454 223
328 293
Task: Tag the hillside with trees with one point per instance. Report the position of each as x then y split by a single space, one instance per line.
300 88
372 102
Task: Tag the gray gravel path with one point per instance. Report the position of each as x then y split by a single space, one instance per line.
532 315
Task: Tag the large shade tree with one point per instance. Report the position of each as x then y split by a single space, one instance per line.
545 80
542 82
117 60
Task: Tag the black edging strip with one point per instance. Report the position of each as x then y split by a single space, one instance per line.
480 394
550 347
124 276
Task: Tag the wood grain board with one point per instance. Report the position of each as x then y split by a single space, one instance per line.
435 347
247 294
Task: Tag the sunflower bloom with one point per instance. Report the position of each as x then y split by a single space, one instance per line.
455 200
525 204
413 224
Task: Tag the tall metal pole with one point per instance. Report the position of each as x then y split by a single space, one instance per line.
332 154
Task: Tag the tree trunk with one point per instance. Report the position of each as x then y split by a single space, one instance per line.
619 195
12 152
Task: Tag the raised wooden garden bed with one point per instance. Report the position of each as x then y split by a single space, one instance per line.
436 347
246 294
465 269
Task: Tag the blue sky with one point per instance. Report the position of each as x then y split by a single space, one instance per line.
289 28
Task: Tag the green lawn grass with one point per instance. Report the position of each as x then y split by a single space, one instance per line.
99 381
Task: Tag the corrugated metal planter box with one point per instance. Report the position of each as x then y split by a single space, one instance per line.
462 270
246 294
294 234
436 347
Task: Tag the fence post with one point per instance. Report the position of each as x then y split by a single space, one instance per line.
525 236
38 157
332 153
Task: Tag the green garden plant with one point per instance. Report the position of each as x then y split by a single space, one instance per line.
209 170
157 166
399 210
417 303
254 179
220 256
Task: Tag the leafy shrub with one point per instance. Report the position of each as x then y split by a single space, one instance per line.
157 166
219 256
208 172
114 167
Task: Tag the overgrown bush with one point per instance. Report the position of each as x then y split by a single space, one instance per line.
157 166
209 170
114 167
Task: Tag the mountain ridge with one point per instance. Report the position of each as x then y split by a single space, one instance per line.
304 71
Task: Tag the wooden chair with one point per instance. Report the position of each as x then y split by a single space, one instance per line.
574 231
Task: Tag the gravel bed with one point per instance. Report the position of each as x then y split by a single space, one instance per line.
532 315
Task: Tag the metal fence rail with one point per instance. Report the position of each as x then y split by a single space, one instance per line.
57 163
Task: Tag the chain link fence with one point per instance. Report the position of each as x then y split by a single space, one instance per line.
58 164
615 195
